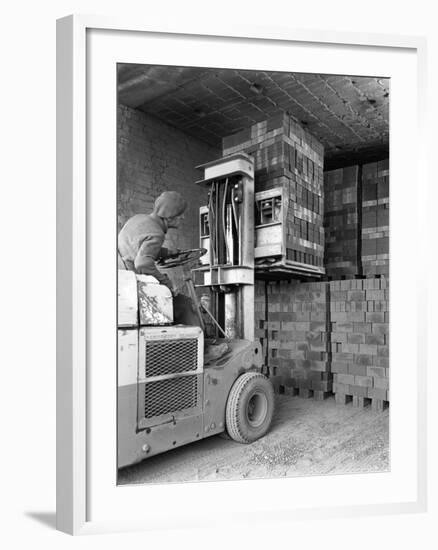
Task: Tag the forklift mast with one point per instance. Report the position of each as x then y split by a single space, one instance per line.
227 232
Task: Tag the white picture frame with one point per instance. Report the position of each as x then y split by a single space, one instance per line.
78 491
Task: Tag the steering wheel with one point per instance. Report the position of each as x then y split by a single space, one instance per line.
182 257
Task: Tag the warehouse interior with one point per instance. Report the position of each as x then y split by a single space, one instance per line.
324 140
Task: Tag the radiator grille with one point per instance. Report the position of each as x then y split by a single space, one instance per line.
171 356
170 395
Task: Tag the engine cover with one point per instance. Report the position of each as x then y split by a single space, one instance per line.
143 301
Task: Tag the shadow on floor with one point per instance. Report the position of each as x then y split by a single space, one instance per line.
46 518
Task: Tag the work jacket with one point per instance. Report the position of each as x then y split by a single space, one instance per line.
140 245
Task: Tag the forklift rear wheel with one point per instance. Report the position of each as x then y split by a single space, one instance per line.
250 407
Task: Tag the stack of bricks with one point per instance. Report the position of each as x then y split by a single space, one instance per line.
287 156
356 221
341 256
359 341
292 323
375 219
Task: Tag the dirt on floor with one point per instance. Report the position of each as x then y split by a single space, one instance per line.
306 438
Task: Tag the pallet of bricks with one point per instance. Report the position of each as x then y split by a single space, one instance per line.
342 233
360 341
375 218
288 157
292 321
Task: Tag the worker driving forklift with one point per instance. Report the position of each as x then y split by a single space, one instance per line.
175 385
140 242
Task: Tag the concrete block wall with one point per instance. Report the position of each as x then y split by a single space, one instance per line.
155 157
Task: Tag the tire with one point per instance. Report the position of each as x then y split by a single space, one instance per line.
250 407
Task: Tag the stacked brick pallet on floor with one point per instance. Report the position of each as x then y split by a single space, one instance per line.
289 157
292 322
359 341
375 219
341 222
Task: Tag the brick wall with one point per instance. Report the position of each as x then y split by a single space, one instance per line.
154 157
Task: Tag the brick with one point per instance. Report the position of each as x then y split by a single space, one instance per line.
362 327
350 348
375 295
357 370
380 328
320 366
364 381
341 337
356 338
318 326
366 360
377 393
376 372
339 317
356 295
345 379
339 386
383 351
342 356
381 383
356 316
340 367
371 284
367 349
344 327
375 317
382 362
375 339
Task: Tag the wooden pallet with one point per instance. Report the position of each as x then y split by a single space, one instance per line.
347 277
306 393
328 278
361 402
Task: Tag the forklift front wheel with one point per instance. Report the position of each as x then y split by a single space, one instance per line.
250 407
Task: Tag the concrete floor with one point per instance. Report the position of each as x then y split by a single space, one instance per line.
306 438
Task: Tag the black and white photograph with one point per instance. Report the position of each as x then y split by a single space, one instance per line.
253 274
209 214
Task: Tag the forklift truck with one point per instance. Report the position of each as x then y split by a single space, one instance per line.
174 386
